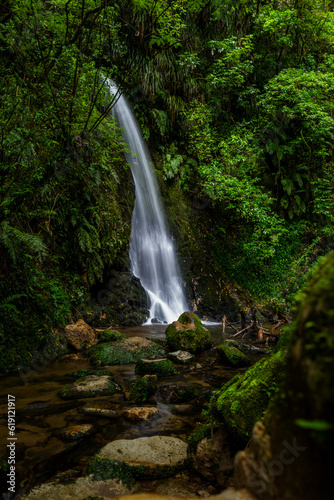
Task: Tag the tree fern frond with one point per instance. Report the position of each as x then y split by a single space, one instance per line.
13 239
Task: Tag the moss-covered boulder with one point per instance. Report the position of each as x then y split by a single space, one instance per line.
232 356
158 367
140 390
89 387
291 453
110 336
243 400
124 351
188 334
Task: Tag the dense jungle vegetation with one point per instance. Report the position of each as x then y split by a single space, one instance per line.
235 97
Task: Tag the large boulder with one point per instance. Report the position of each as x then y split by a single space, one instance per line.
124 351
80 334
291 454
157 456
244 399
188 334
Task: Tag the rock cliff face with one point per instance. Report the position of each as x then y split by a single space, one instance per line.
290 455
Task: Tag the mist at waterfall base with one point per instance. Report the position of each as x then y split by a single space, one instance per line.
152 253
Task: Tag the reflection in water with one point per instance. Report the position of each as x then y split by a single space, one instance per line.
41 413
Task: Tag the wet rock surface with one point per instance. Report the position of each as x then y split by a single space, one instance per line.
124 351
89 387
181 357
81 488
79 334
137 414
157 456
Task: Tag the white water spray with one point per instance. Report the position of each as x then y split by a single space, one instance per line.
152 253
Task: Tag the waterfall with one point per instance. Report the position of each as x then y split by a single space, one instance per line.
152 253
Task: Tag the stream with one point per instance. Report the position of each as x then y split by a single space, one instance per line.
42 452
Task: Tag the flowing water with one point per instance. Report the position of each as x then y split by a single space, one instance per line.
152 253
41 415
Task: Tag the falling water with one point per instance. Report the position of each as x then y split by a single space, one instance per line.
152 252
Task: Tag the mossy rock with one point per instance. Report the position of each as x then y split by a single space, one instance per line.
231 356
244 399
188 334
124 351
110 336
197 435
85 373
141 389
146 457
233 343
159 367
89 387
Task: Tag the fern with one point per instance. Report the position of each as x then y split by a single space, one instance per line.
12 239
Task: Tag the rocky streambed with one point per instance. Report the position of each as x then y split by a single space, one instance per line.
88 427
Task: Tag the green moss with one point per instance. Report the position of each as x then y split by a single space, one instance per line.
110 336
188 333
140 390
161 368
244 399
102 469
231 356
119 354
198 434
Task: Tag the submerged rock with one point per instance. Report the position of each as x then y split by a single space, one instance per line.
141 389
232 356
80 334
137 414
124 351
181 357
74 432
177 393
99 412
157 456
188 333
159 367
89 387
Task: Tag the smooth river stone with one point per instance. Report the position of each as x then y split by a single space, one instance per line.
161 456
